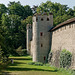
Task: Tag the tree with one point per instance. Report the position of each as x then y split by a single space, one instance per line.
70 12
27 11
1 53
60 19
22 30
10 26
60 12
3 9
16 8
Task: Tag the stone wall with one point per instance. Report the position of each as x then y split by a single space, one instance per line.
63 38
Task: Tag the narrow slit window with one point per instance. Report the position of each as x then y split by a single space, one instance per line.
41 19
36 19
41 34
47 19
41 45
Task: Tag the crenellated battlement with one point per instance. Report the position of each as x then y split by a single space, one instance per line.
42 17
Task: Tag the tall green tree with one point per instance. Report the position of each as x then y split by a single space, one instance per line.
3 9
10 25
17 9
27 11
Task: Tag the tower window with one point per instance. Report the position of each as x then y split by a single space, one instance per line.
41 45
41 19
41 34
36 19
47 19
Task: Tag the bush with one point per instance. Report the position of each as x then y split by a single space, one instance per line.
1 57
65 58
20 51
36 63
31 63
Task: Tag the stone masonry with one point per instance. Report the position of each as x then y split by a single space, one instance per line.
42 38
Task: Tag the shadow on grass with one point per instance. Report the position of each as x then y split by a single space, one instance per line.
4 73
20 58
29 69
25 69
16 63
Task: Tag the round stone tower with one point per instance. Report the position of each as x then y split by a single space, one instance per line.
29 37
41 36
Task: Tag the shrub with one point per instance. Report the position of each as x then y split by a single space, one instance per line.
1 57
20 51
65 58
31 63
36 63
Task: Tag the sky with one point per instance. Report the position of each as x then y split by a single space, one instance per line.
70 3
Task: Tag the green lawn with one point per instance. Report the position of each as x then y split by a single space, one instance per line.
21 67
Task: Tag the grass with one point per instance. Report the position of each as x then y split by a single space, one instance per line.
21 67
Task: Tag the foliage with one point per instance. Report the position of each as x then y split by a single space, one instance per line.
65 59
27 11
3 9
59 11
17 9
36 63
21 52
1 57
